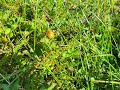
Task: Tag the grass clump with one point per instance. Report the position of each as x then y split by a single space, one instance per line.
82 52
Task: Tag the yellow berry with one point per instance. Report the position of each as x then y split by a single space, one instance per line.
50 34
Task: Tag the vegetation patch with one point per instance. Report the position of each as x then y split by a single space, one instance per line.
59 45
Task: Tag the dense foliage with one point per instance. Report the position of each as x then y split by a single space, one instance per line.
59 44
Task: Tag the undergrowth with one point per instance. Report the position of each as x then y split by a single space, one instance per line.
83 54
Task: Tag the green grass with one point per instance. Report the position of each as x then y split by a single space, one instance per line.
83 55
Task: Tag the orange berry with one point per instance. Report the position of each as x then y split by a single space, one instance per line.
50 34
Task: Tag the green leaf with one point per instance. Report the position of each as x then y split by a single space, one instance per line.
7 31
10 34
4 86
16 85
119 55
1 30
